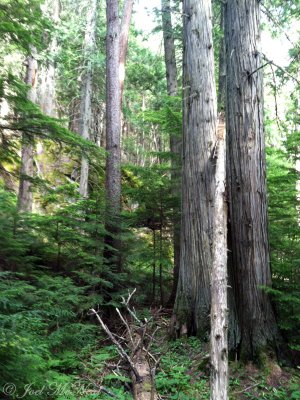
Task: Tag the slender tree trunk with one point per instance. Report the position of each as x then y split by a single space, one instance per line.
113 130
192 306
26 171
247 177
154 270
85 108
169 47
219 308
124 35
175 142
161 288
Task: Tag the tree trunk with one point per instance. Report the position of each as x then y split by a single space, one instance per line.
169 47
233 328
192 306
113 130
175 141
222 66
26 171
246 177
46 87
219 308
85 108
124 34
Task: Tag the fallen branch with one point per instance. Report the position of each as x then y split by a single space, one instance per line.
120 349
139 338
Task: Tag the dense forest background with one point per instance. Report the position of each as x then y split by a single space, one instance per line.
91 211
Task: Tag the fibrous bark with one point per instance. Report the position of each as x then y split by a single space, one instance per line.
26 171
247 177
192 305
175 141
222 65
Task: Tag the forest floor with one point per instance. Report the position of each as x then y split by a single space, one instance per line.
183 373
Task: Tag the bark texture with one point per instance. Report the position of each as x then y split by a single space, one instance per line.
192 305
233 328
219 308
27 152
85 109
175 141
113 131
247 177
222 66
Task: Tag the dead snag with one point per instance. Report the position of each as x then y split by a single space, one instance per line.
219 317
139 338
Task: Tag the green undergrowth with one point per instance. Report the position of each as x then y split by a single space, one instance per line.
183 374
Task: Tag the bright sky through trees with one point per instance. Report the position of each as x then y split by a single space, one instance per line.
275 48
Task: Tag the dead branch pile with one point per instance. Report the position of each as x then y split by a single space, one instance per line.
134 348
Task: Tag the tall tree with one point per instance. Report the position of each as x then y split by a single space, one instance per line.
25 197
192 306
113 131
85 108
246 176
175 141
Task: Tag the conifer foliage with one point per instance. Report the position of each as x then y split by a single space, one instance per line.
116 189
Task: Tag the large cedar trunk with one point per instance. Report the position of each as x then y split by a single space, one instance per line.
175 141
247 177
113 131
192 306
26 171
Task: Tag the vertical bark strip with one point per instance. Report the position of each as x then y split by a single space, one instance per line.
26 171
124 35
175 142
113 130
233 328
219 308
247 176
222 66
192 305
85 109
